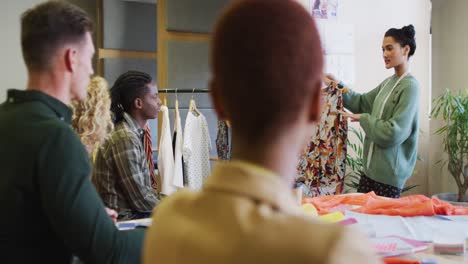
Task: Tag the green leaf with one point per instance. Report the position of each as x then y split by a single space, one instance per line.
441 130
408 188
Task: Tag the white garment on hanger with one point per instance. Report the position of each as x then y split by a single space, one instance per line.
196 150
166 155
178 180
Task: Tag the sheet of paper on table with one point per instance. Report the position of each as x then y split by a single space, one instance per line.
397 246
132 224
421 228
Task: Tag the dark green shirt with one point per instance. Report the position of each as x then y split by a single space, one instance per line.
50 209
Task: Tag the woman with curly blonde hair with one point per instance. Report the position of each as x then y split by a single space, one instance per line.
92 119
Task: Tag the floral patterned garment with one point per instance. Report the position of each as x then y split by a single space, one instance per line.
322 165
223 142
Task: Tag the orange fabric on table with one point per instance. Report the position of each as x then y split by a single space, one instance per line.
414 205
325 204
444 208
370 203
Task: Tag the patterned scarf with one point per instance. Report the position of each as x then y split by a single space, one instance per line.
149 155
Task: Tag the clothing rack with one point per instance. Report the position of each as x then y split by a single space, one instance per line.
185 90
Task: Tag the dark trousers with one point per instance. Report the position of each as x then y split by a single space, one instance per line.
367 184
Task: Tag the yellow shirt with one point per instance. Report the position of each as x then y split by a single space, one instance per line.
246 214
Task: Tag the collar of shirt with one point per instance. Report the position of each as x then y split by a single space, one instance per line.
248 179
133 126
62 111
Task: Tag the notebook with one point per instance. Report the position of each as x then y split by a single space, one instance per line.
132 224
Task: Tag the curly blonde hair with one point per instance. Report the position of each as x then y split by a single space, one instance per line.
92 118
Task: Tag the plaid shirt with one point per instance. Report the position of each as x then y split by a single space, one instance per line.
121 172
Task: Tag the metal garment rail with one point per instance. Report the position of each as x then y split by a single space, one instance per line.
185 90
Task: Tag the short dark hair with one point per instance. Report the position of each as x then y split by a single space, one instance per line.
404 36
126 89
46 27
267 62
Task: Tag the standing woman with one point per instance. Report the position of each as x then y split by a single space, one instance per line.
389 117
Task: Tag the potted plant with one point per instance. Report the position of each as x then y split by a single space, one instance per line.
355 162
453 109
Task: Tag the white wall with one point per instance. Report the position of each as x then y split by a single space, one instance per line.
12 67
450 65
371 19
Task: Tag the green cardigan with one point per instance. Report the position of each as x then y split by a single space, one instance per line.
50 209
393 137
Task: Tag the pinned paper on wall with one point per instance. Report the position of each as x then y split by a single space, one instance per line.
338 47
325 9
321 9
337 38
341 66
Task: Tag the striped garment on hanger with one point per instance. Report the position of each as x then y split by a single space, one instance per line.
148 145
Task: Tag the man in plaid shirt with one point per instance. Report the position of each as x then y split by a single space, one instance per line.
121 172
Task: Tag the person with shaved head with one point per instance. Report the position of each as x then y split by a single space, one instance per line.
267 66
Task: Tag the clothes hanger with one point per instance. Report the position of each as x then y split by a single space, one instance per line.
165 98
193 105
176 110
327 82
176 102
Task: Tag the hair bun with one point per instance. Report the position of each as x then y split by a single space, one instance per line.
409 31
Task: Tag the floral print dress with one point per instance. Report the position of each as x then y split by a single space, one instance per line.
322 165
